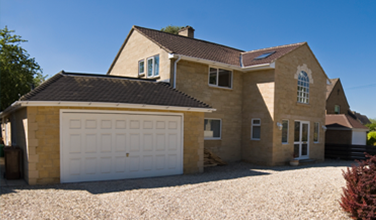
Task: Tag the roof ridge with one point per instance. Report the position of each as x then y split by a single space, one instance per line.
275 47
107 76
177 35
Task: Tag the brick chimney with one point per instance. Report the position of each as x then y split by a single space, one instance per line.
187 31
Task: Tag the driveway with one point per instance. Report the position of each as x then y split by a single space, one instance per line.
236 191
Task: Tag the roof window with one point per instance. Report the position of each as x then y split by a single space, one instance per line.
264 55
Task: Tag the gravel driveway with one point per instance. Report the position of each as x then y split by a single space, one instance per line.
236 191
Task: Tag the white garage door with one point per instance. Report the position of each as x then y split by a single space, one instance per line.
107 146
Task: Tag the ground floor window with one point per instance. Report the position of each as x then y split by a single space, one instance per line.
285 131
256 129
316 132
212 129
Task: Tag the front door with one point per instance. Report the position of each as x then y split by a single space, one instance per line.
301 140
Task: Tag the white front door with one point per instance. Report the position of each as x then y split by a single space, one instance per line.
111 145
301 139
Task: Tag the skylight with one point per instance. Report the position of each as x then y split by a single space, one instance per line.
264 55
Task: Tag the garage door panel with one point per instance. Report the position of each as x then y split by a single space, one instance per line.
106 142
134 144
118 146
90 143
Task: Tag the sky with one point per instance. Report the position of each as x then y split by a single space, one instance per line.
85 35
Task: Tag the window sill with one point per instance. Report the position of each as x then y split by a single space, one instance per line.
285 143
153 77
212 139
220 87
255 139
141 75
316 142
303 104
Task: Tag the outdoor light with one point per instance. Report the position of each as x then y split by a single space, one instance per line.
324 127
279 126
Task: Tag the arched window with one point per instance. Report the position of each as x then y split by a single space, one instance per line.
303 87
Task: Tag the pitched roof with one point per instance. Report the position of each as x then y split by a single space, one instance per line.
361 118
342 121
279 51
329 87
192 47
196 48
111 89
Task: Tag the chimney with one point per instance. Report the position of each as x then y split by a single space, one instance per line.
187 31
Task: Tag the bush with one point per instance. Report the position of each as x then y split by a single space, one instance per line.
371 138
359 195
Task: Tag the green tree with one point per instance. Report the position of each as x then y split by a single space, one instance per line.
172 29
372 126
18 71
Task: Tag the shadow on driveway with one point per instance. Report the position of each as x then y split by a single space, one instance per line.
231 171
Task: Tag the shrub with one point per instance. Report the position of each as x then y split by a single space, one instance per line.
359 195
371 138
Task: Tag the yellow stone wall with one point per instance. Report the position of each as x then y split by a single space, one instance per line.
192 79
44 142
287 107
137 48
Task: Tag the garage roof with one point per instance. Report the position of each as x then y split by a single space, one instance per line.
78 87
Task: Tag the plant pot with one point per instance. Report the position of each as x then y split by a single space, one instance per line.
294 162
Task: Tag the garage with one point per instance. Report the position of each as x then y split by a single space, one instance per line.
119 145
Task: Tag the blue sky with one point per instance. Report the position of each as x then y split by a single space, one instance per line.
84 36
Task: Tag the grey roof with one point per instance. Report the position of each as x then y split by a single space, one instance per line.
77 87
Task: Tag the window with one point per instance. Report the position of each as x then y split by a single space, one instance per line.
220 77
316 132
153 66
303 87
337 109
256 129
212 129
285 131
264 55
141 67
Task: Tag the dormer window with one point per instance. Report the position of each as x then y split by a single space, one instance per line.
220 77
153 66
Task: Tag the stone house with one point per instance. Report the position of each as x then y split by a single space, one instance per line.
270 103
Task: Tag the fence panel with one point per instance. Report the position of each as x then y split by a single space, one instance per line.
348 152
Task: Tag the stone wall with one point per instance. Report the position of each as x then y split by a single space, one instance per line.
137 48
192 79
44 142
337 97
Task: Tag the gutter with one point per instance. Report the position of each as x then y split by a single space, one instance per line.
19 104
224 65
175 67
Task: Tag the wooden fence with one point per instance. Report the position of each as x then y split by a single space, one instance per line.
348 152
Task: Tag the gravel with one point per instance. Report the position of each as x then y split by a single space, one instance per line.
236 191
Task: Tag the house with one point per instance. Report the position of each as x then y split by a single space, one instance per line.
270 103
85 127
344 126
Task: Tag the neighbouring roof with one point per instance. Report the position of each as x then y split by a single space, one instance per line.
329 87
75 87
192 47
342 121
362 118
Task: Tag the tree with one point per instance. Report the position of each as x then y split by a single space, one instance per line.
18 71
172 29
372 126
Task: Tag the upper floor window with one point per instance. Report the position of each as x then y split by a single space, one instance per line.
141 67
337 109
153 66
303 87
220 77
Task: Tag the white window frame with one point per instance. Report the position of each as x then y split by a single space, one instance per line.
288 123
139 73
252 125
303 95
318 132
216 85
220 129
153 67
